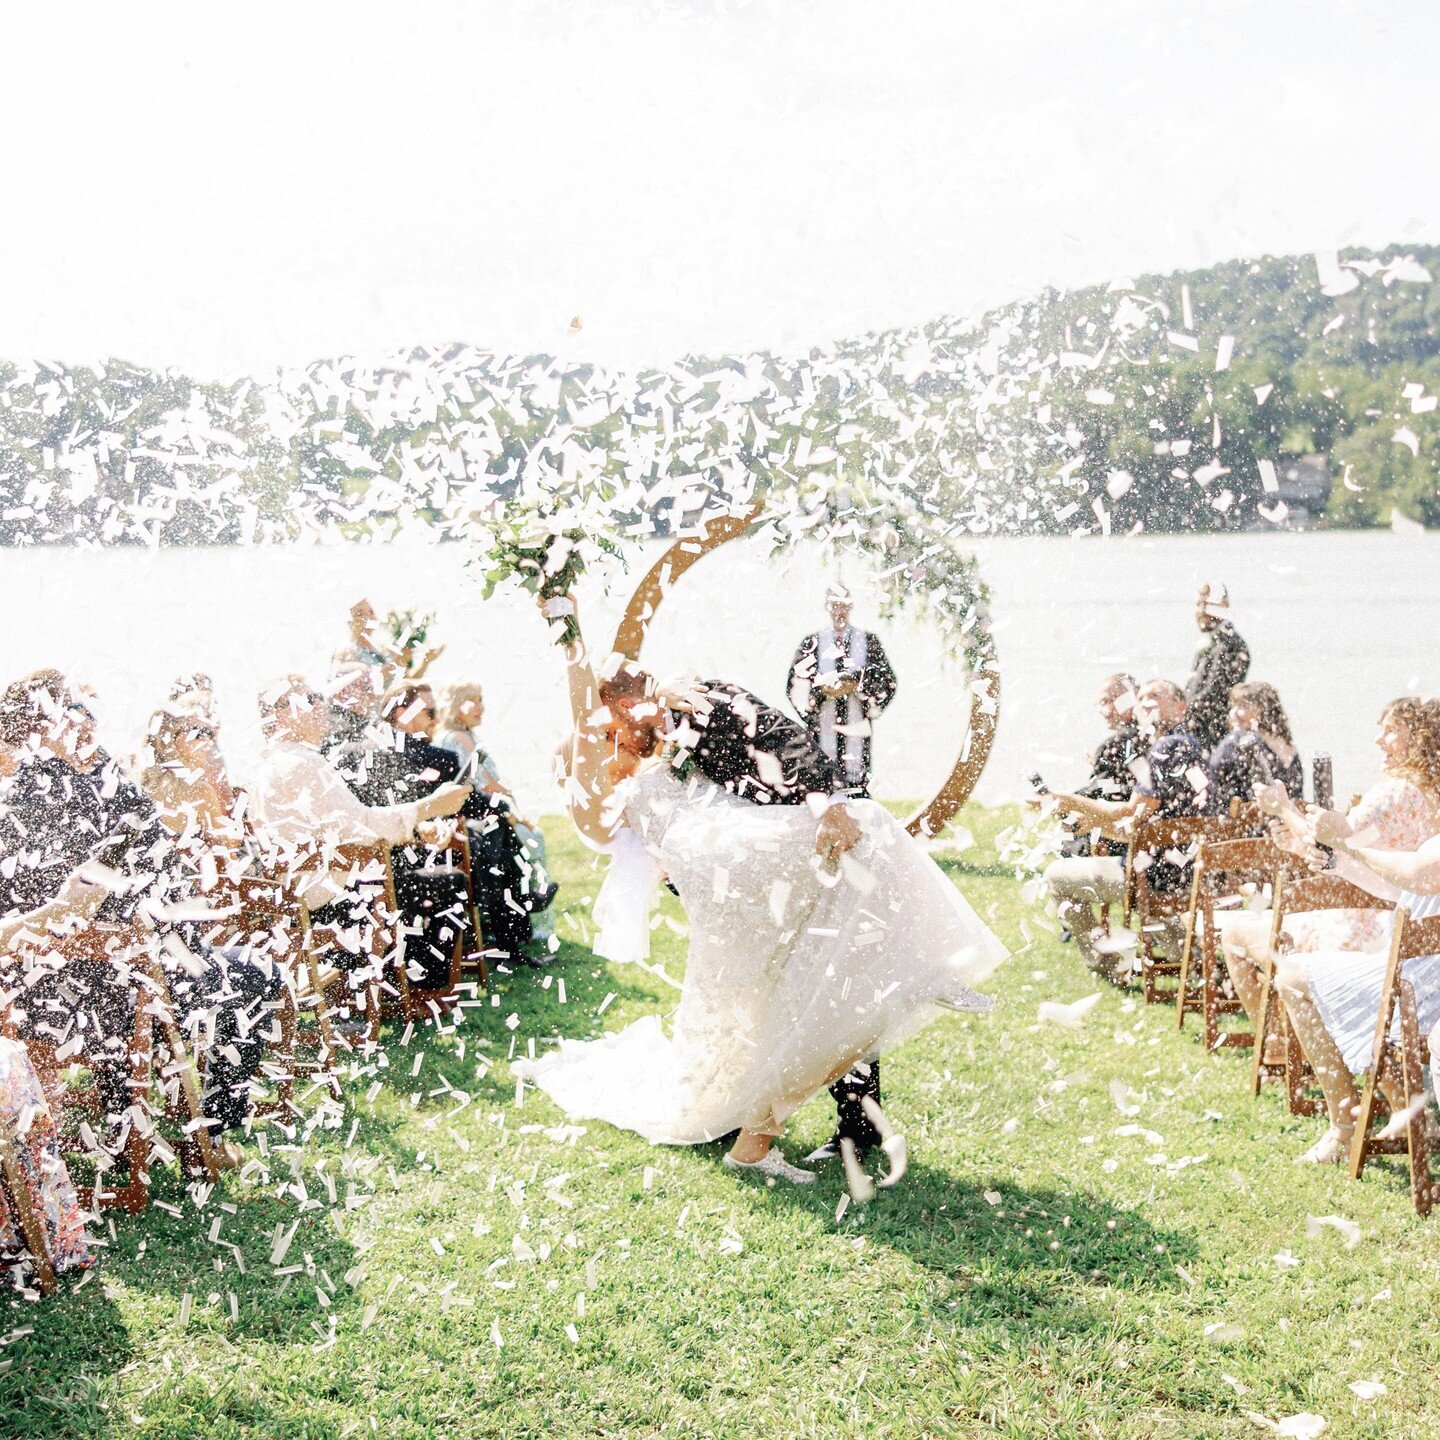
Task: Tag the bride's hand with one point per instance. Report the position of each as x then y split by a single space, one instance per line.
557 607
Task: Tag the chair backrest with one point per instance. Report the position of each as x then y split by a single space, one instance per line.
1302 894
1412 937
1219 856
1179 832
1184 833
1247 812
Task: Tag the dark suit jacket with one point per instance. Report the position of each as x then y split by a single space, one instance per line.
1222 661
752 750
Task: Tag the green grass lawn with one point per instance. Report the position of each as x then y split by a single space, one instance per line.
463 1266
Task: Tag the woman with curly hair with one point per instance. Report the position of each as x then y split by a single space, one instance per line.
1399 812
1333 996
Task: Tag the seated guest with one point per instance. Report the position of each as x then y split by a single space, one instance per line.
307 811
382 764
429 887
1172 781
185 775
68 806
369 644
1400 812
1112 772
1333 997
1257 750
464 709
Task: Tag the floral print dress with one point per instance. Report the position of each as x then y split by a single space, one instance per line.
52 1196
1396 815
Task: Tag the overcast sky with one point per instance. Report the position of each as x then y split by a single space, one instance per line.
231 186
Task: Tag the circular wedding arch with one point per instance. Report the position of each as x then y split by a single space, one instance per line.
931 818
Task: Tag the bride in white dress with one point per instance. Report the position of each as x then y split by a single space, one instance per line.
800 963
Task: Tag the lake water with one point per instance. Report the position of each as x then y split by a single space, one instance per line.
1339 622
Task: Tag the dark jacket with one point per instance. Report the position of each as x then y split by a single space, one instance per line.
751 749
1222 661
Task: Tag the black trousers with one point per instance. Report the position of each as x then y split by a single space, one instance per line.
854 1124
87 1010
225 1005
499 870
437 906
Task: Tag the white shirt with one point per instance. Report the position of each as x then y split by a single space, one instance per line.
304 806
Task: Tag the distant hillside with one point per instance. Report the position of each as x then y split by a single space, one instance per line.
1169 402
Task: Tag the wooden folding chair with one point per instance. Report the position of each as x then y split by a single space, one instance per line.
1400 1064
54 1062
272 918
1222 867
1144 905
369 864
1296 895
455 844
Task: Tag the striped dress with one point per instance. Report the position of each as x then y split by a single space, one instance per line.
1346 987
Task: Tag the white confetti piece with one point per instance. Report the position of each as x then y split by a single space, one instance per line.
1348 1229
1069 1016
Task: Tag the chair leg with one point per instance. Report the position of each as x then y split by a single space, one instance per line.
1298 1075
289 1026
1209 982
1361 1145
1263 1026
1412 1052
1183 1004
197 1150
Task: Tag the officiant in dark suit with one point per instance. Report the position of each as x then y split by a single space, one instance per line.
839 682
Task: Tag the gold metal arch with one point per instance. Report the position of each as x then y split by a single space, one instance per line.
930 819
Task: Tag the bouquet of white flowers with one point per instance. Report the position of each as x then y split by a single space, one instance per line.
541 547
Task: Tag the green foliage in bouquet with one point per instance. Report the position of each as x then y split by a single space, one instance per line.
532 542
408 631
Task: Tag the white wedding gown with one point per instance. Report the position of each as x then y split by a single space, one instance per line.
793 973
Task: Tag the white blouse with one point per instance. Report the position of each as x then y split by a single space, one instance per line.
303 805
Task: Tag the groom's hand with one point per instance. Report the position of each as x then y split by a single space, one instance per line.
839 830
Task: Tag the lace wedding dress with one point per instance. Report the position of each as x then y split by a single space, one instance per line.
793 973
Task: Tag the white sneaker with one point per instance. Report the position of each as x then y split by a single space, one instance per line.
966 1002
773 1164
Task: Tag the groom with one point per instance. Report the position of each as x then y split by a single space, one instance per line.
752 750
